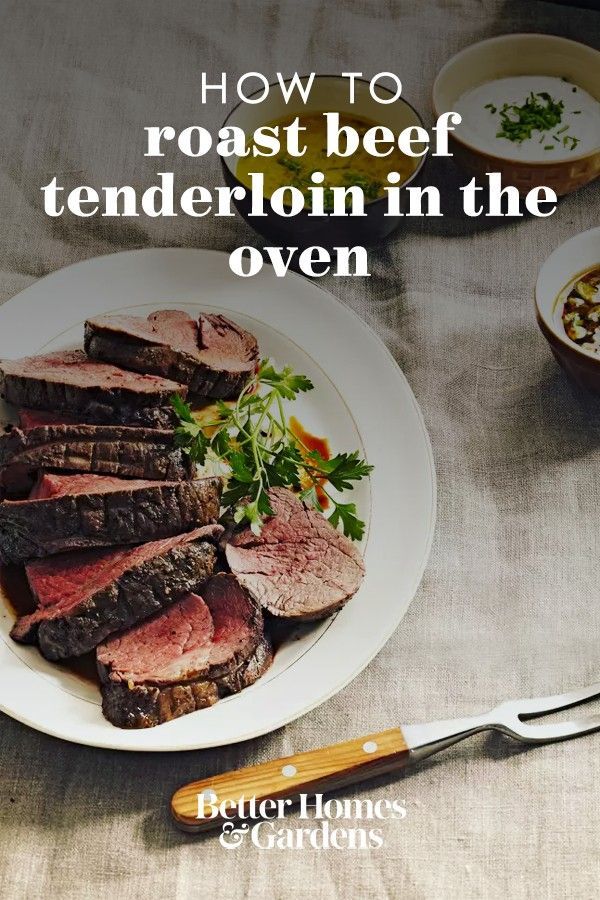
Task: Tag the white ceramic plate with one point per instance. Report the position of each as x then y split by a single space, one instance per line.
361 400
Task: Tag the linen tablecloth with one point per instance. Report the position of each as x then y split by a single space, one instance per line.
508 605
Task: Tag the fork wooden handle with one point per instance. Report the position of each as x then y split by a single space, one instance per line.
198 806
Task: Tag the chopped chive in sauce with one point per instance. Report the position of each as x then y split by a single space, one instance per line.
540 113
291 164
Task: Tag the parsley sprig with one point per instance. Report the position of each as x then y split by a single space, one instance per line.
252 438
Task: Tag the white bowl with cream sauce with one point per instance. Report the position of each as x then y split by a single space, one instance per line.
483 77
576 131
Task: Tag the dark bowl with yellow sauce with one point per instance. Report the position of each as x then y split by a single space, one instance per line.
328 94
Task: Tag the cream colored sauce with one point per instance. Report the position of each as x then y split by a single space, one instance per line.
480 124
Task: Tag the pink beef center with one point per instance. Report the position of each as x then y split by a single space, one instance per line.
214 340
50 486
186 640
231 610
64 581
169 327
299 561
176 328
33 418
74 367
158 650
225 345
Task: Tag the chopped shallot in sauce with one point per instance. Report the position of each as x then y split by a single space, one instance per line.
581 311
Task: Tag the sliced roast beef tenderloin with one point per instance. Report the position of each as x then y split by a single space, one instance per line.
249 672
210 635
85 596
237 621
76 512
300 567
214 357
91 391
146 705
103 449
230 354
171 664
33 418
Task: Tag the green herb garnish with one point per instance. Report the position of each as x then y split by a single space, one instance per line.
253 440
540 112
291 164
371 188
301 179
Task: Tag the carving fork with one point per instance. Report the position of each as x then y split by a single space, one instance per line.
330 768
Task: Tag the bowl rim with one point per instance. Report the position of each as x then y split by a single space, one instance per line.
368 203
505 39
548 320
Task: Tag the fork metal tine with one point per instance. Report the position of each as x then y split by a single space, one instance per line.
426 738
533 706
534 734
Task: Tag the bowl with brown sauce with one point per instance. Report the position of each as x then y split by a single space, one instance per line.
305 223
567 300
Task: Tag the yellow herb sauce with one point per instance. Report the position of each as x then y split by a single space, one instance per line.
369 172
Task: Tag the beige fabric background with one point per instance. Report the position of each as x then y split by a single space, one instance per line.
509 602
